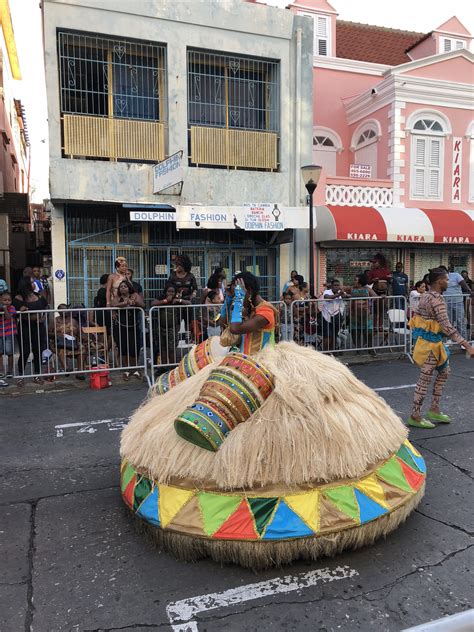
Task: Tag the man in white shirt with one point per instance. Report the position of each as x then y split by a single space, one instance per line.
332 310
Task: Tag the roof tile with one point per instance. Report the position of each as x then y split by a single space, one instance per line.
376 44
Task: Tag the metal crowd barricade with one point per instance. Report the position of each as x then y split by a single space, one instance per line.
460 313
174 329
352 325
77 341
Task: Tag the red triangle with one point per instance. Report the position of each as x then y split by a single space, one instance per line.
414 479
240 525
128 493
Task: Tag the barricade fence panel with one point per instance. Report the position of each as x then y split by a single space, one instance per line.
79 341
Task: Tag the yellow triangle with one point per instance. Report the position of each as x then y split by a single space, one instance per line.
372 488
171 500
410 447
306 506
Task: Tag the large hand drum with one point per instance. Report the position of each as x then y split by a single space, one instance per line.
234 391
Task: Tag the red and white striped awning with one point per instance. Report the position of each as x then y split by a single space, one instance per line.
394 224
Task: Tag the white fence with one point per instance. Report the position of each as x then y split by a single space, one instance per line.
353 195
50 343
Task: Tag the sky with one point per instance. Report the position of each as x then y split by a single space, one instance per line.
412 15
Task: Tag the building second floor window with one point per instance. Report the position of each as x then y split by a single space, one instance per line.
365 145
326 145
239 94
110 77
427 157
113 97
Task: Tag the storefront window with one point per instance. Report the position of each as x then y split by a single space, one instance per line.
345 263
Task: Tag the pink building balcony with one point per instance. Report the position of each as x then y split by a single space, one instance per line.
343 191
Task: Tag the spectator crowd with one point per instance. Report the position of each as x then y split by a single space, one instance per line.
341 317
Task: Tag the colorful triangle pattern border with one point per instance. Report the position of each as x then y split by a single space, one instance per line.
246 516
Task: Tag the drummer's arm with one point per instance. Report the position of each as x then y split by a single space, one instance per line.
253 324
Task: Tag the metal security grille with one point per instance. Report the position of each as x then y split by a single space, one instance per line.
232 91
109 77
233 110
113 97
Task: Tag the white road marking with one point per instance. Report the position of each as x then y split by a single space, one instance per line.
394 388
180 613
119 423
116 423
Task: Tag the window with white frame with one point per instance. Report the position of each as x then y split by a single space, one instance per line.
326 145
449 43
365 145
322 28
427 157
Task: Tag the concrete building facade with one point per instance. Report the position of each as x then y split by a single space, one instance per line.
226 82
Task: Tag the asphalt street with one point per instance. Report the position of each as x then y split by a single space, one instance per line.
72 560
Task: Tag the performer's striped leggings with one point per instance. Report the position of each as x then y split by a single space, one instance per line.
423 383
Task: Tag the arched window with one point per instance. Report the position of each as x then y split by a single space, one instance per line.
326 145
428 129
364 144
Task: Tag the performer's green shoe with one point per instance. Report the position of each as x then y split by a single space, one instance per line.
439 417
420 423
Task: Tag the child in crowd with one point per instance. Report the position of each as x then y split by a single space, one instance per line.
416 294
212 313
7 332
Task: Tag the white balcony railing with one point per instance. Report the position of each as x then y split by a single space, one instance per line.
347 193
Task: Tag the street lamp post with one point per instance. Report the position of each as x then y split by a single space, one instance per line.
311 175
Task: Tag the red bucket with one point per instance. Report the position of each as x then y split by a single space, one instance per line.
99 379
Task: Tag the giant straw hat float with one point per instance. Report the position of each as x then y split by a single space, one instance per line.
264 460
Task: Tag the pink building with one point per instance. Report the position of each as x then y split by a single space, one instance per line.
394 132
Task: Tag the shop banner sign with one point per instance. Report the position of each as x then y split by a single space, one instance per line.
205 217
152 216
168 173
456 170
263 216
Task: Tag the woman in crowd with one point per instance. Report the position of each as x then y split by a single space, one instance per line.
216 283
293 275
115 279
31 327
126 327
169 322
362 326
182 279
416 294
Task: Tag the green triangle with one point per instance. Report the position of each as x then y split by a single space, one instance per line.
216 509
127 475
405 455
142 490
392 472
344 499
262 510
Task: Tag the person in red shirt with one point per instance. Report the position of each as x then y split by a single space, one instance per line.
379 276
7 333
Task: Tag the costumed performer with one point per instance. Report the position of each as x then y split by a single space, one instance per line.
265 458
430 325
